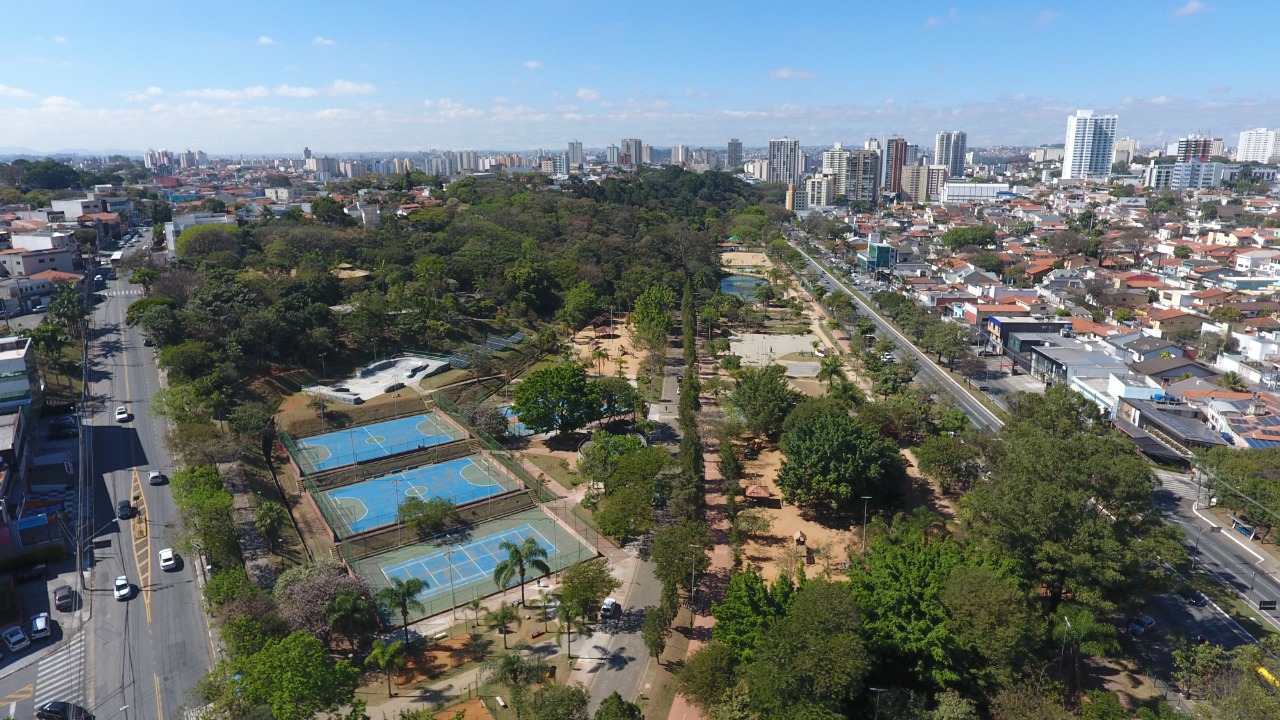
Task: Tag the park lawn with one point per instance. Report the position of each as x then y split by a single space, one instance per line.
557 469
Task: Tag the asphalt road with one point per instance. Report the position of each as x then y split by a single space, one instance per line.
615 655
978 414
144 653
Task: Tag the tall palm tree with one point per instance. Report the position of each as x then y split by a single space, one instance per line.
517 671
572 619
1232 380
501 618
528 554
387 657
351 615
402 595
474 606
831 369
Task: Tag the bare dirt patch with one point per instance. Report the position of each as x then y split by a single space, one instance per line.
745 260
615 344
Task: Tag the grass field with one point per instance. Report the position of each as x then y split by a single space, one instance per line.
556 468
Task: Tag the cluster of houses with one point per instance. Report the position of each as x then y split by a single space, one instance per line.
1170 322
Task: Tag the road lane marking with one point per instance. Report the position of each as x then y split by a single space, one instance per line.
23 693
142 544
159 698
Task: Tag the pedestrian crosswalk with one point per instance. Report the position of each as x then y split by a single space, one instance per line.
128 292
61 676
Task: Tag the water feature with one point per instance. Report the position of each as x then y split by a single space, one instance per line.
741 285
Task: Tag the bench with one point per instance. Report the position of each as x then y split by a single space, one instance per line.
440 636
537 634
501 703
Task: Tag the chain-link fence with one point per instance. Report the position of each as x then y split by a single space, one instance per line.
495 450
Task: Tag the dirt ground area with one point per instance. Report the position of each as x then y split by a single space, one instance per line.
474 709
775 552
745 259
617 348
1118 676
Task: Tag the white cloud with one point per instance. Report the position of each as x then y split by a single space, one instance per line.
59 39
690 92
257 91
147 95
295 91
935 20
6 91
499 100
1191 7
346 87
265 40
791 74
587 94
57 102
321 40
1048 17
532 64
1220 89
889 101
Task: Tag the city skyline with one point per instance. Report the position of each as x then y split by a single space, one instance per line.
152 76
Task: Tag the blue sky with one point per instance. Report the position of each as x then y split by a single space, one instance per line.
252 77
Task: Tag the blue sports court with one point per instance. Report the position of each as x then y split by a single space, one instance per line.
514 426
462 565
370 442
373 503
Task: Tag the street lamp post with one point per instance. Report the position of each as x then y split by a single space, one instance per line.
878 692
323 372
866 501
453 599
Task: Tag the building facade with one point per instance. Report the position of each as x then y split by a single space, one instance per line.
1090 145
734 154
949 149
1257 145
862 176
786 161
895 156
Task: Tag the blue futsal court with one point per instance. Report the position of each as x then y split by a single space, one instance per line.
514 426
373 503
370 442
465 564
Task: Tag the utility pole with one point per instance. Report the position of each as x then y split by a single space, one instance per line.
866 500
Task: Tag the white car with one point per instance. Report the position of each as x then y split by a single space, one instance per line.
610 608
123 589
155 477
122 414
40 626
15 639
168 560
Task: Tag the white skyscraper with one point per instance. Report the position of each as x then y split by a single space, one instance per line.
786 161
949 149
1257 145
835 162
1090 143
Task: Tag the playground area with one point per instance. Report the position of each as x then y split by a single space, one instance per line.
373 503
370 442
458 566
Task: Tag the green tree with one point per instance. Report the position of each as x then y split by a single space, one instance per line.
627 512
427 517
960 237
144 276
1232 380
351 615
69 308
1198 666
269 518
559 702
763 397
654 631
1122 314
679 554
832 459
948 340
207 240
572 619
519 558
581 303
1182 252
227 586
615 708
813 657
748 608
950 461
988 261
587 584
295 678
953 706
386 658
995 631
558 398
502 618
1226 314
651 319
402 596
328 211
708 675
831 370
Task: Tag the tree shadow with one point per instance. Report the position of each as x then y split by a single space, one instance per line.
567 442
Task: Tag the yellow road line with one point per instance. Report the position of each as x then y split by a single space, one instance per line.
159 699
23 693
142 545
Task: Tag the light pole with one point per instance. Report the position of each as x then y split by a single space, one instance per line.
878 692
453 599
323 372
1211 529
866 501
1062 660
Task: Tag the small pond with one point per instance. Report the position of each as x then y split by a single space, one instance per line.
741 285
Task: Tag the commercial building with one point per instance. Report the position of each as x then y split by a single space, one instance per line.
575 155
949 149
1257 145
18 262
19 378
959 192
786 161
1090 145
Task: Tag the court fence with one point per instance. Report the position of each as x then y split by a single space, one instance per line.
390 537
302 459
408 404
431 455
496 451
340 520
570 550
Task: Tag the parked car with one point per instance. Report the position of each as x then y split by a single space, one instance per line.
41 626
122 589
64 598
15 639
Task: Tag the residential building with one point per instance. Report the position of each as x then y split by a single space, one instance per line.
786 161
923 183
893 159
861 176
18 262
1195 175
1157 176
1046 155
19 378
1198 147
679 154
611 154
47 240
835 162
1124 151
820 191
733 159
282 194
575 155
1257 145
1090 145
632 152
949 149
